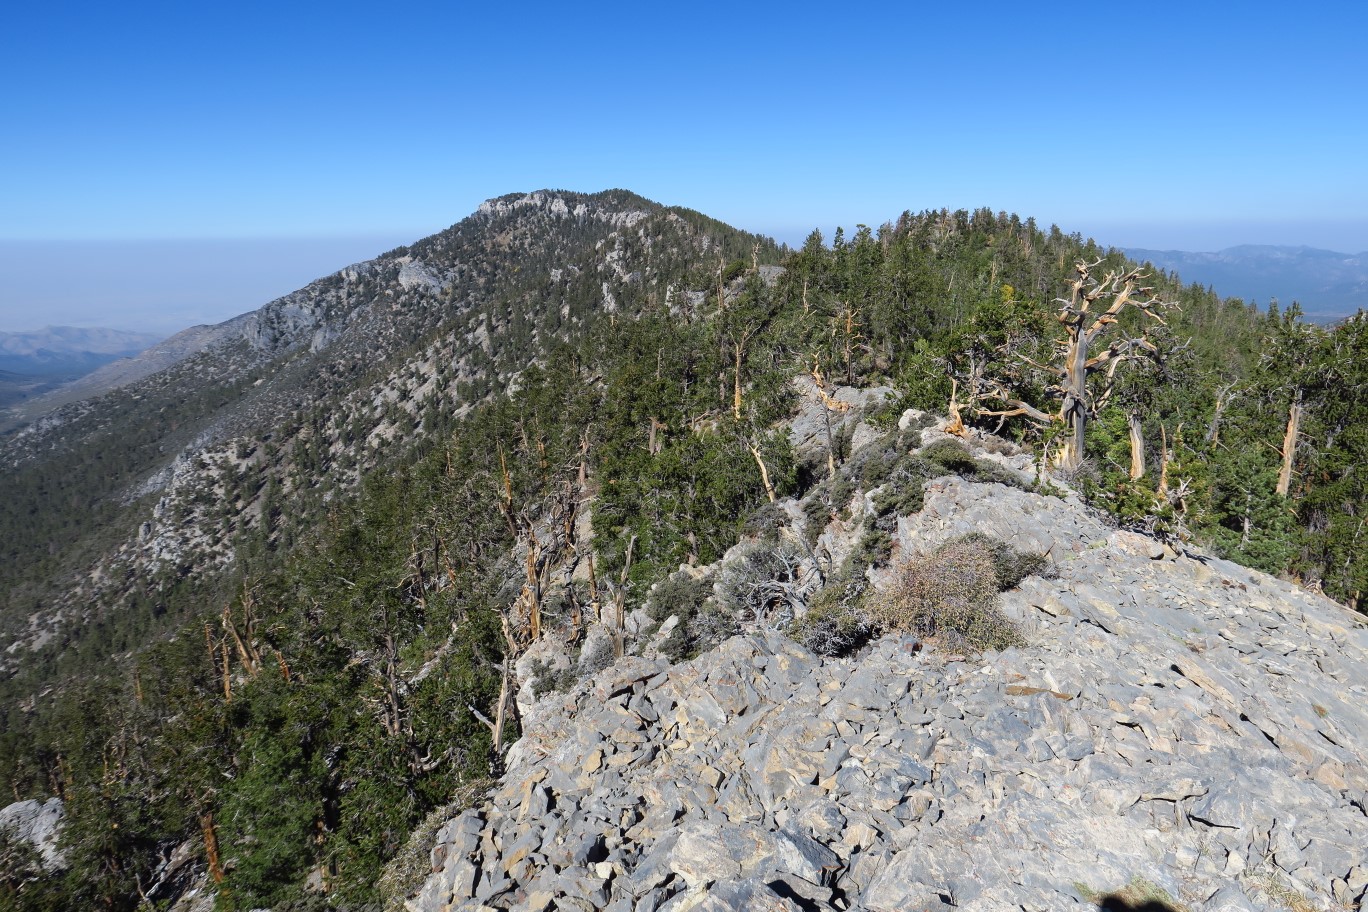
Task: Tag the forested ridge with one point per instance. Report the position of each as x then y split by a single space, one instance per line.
292 712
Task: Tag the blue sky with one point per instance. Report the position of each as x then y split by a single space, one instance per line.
158 126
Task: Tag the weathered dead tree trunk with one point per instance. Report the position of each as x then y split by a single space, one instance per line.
829 405
739 344
1085 322
620 603
1137 446
211 849
653 442
1223 397
1289 447
764 473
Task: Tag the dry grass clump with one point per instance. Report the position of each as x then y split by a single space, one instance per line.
951 594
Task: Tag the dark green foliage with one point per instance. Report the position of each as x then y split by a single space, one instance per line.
405 873
765 522
681 593
24 884
1010 565
547 678
874 547
950 455
317 761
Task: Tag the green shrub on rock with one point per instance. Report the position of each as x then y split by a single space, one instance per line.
836 622
682 594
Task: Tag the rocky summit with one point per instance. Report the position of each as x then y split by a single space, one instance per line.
1178 733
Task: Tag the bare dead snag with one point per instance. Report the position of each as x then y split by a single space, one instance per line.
243 642
764 473
227 678
850 339
653 442
595 603
956 423
1223 397
1137 446
1289 447
532 588
829 405
739 344
211 849
620 603
1165 456
1091 311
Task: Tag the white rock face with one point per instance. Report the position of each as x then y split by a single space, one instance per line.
1177 725
414 274
38 823
555 205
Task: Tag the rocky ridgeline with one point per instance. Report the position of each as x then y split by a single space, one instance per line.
1179 733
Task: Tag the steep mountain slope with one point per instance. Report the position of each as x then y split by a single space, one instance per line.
302 588
155 356
267 413
1174 730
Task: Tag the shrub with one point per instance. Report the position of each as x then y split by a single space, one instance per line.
763 583
546 678
952 594
950 455
682 594
954 457
699 632
765 522
836 623
875 546
1012 566
596 656
702 622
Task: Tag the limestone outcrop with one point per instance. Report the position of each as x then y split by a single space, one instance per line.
38 823
1178 730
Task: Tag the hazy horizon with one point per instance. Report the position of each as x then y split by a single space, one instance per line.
190 122
167 285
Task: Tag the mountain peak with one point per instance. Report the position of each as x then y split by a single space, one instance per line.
621 207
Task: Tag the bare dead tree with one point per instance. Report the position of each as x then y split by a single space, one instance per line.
1137 445
1224 396
1289 446
829 404
1082 374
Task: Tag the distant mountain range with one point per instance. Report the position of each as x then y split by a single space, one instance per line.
33 363
67 350
1328 285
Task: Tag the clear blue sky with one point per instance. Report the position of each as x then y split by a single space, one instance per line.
1190 125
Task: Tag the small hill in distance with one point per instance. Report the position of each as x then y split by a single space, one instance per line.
1328 285
32 363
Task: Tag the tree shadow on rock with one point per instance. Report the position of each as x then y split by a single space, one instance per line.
1117 902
